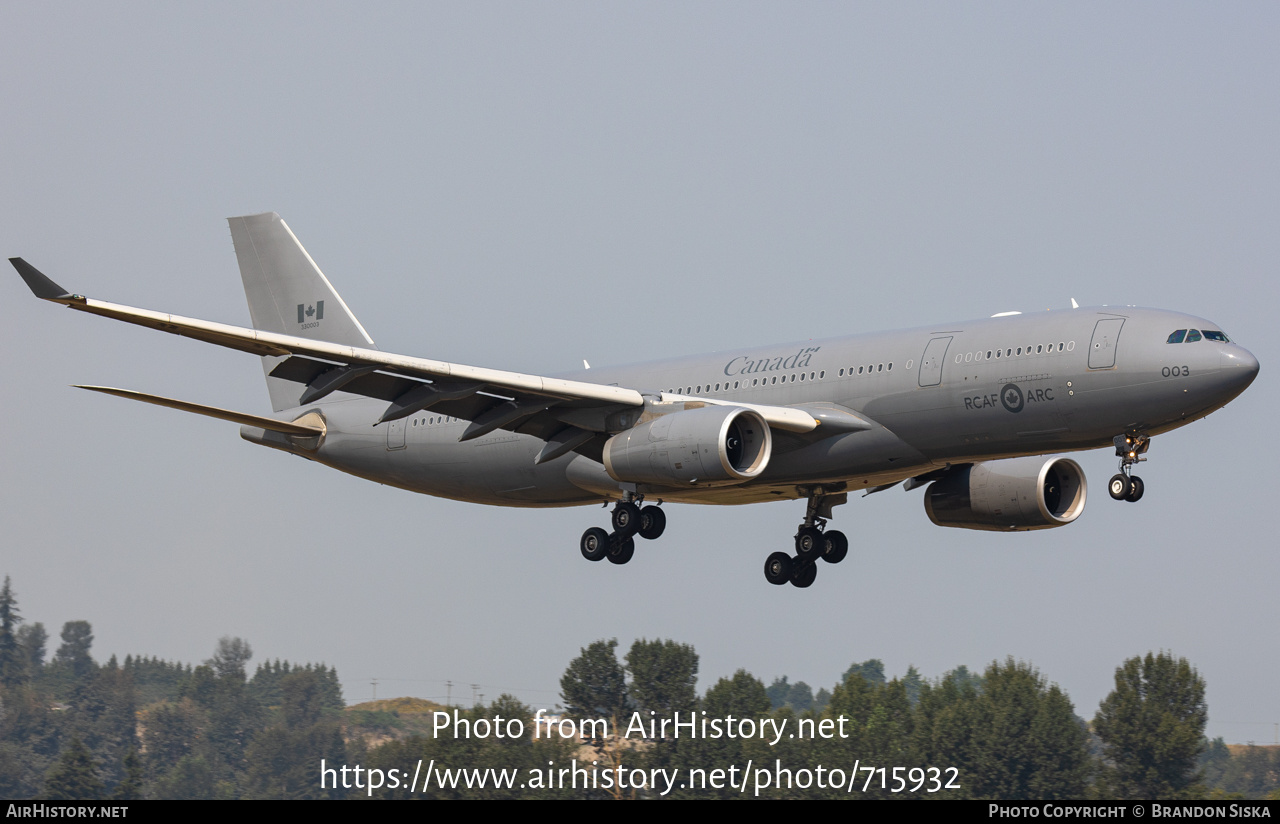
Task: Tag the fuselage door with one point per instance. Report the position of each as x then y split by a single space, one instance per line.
935 354
1102 349
395 434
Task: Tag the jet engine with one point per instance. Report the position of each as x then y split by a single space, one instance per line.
1015 494
704 446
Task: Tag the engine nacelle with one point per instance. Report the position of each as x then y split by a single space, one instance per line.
706 446
1015 494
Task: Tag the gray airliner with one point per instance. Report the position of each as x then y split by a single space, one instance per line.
976 410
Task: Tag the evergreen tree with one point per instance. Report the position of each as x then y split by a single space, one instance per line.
594 685
13 668
73 777
779 691
1152 728
229 657
77 640
130 788
32 640
913 683
800 698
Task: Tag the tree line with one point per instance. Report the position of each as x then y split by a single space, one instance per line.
71 728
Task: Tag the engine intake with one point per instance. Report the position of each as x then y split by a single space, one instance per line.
705 446
1015 494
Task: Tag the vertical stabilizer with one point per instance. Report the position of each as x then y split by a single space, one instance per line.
288 293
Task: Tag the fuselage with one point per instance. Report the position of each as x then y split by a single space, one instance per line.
954 393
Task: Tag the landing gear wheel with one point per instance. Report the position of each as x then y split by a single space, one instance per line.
804 575
1120 486
626 518
777 568
595 543
835 548
653 521
809 543
621 549
1136 488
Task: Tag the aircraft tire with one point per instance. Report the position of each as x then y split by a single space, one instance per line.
620 549
777 568
1136 488
809 543
653 522
626 518
835 548
1119 486
803 575
594 544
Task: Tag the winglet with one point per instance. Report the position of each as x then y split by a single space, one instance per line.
38 282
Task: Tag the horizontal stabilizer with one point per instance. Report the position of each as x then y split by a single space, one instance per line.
243 418
38 281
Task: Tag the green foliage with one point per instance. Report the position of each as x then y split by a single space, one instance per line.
779 691
230 657
594 685
77 641
32 639
102 712
1152 728
130 787
743 696
521 757
664 676
156 680
267 680
73 777
871 670
1243 771
13 668
1018 738
29 741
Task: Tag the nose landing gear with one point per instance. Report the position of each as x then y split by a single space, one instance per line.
629 519
1125 486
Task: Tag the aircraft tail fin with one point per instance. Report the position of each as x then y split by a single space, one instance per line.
288 294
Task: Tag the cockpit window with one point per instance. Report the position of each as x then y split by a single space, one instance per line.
1178 337
1213 335
1193 336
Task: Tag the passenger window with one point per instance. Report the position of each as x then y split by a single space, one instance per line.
1193 336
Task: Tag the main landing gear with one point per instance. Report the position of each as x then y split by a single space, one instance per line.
813 542
629 520
1125 486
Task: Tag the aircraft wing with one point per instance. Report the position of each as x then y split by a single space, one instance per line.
489 398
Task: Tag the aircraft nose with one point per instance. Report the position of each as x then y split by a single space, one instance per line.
1239 367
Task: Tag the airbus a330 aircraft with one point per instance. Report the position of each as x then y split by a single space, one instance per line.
964 407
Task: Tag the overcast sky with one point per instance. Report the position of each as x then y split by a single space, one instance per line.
525 185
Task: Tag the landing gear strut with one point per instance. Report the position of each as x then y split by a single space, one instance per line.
629 519
813 541
1125 486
